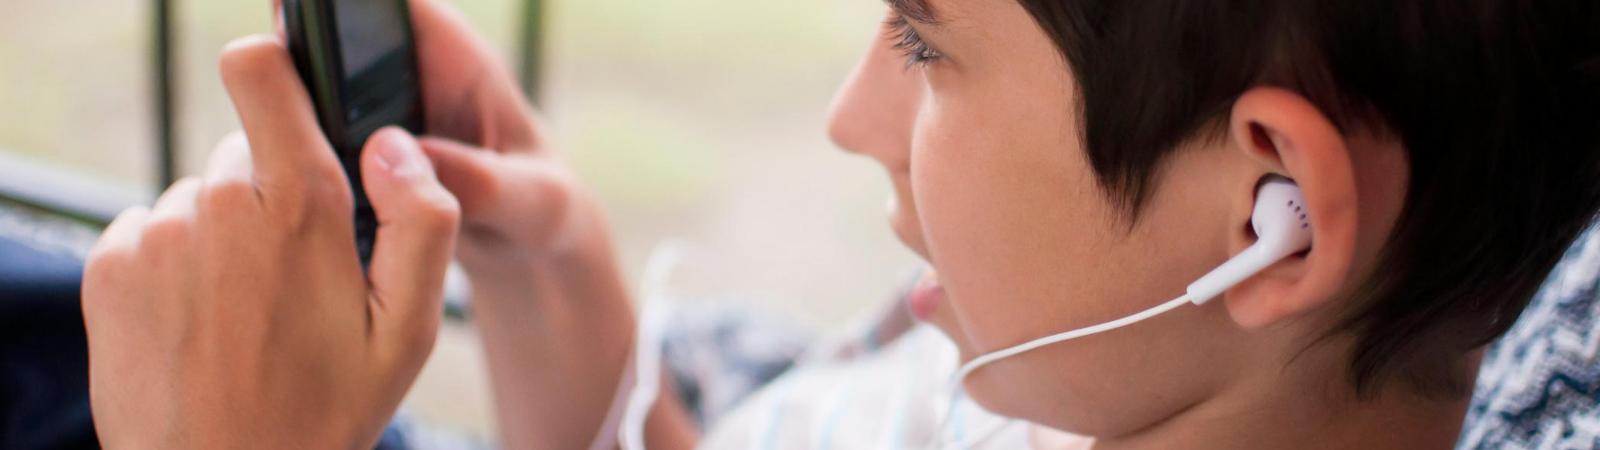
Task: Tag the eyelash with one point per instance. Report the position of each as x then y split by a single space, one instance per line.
917 53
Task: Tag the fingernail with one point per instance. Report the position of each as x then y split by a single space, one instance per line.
400 153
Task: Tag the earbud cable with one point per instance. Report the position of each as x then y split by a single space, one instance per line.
646 366
984 360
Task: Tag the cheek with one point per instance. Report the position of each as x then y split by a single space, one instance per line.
1027 245
1011 213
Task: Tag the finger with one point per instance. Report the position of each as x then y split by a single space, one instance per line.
277 18
450 52
121 237
230 162
169 230
495 189
468 90
105 267
468 172
291 157
417 223
177 204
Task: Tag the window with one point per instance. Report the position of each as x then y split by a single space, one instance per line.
205 114
75 86
705 119
700 119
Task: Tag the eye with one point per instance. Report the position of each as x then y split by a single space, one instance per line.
908 42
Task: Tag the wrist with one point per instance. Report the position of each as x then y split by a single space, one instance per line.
581 266
556 358
585 280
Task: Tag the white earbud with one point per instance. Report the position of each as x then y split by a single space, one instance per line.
1282 223
1283 227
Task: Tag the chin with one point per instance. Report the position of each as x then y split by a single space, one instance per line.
1041 402
1001 396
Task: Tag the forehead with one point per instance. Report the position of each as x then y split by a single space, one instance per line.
954 12
918 10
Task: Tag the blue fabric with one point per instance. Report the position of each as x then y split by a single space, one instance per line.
44 379
1539 387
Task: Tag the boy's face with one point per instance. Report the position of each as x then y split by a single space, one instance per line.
992 186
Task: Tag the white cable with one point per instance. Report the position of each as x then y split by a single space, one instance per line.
980 437
666 257
610 434
969 367
647 369
1074 334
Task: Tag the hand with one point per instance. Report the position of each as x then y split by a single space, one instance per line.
548 298
234 313
521 205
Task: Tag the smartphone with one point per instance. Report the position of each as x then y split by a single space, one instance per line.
358 60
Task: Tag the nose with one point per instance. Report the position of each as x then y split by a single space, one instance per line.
875 112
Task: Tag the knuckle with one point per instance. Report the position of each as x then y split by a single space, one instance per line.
185 184
556 196
119 238
167 232
180 197
440 212
100 270
235 140
222 198
229 192
116 251
233 148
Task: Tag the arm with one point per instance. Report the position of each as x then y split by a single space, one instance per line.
557 335
553 308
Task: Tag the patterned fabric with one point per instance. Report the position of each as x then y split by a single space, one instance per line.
718 355
878 384
1539 387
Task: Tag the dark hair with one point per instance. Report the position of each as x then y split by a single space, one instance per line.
1496 103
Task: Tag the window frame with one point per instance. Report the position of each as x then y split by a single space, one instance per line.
76 195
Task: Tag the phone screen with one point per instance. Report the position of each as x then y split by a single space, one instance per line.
369 31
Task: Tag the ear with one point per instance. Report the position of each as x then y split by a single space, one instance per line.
1285 134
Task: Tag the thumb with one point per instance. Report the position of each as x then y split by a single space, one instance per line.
417 223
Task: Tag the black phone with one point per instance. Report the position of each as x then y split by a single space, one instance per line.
358 60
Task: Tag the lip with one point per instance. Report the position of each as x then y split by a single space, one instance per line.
927 294
926 297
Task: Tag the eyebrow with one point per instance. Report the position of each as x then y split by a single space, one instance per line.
917 10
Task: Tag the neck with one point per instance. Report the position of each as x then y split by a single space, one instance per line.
1280 411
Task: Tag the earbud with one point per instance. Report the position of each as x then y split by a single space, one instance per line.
1282 223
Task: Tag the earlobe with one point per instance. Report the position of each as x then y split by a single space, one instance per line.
1289 136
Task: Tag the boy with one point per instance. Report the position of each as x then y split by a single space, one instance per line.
1058 163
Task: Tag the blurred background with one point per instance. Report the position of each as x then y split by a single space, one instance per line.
695 119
